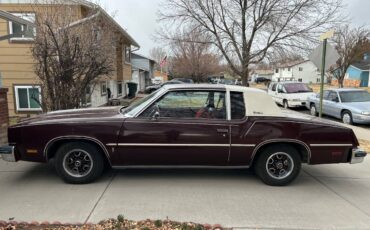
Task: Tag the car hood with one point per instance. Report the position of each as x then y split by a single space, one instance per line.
89 114
361 106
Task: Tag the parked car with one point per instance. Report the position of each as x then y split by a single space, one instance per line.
184 80
262 80
152 88
290 94
187 125
349 105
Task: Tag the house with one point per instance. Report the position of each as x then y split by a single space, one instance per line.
142 70
302 71
359 71
266 73
17 64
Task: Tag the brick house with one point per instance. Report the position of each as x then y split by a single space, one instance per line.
17 64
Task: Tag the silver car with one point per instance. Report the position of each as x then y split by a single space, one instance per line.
349 105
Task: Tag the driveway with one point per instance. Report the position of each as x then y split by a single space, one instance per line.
326 196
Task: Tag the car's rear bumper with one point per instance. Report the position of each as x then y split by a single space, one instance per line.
7 153
358 156
296 103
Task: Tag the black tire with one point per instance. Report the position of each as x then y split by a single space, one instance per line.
89 156
347 117
289 154
312 109
285 104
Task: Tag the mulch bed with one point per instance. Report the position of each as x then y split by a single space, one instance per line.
117 224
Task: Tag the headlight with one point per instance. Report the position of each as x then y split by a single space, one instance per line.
365 113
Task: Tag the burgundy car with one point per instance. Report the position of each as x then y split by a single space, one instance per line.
182 125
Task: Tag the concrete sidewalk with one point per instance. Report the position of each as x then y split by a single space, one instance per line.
323 197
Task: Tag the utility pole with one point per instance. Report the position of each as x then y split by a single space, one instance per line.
324 38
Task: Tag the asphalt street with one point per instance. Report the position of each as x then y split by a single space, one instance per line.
323 197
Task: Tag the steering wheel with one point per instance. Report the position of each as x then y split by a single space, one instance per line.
206 112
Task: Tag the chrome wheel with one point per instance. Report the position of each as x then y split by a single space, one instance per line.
279 165
77 163
346 118
313 110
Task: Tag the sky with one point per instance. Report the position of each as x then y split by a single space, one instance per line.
139 17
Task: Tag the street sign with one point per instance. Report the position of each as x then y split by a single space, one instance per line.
331 56
327 35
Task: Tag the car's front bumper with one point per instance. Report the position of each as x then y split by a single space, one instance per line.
296 103
361 119
358 156
7 153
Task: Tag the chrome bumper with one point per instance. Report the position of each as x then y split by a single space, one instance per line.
7 153
358 156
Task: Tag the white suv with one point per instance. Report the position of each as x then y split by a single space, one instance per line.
290 94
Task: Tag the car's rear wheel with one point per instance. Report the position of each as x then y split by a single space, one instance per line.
285 104
79 163
347 117
313 110
278 165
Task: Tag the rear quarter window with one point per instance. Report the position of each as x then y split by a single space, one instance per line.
237 105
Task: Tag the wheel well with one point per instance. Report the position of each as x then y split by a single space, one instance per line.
301 149
345 110
312 104
54 146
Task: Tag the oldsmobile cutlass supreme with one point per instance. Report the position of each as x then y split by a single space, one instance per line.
182 126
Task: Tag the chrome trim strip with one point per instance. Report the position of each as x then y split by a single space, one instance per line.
179 167
243 145
282 140
170 145
328 145
77 138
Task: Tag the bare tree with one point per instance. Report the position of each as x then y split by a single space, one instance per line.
245 31
192 56
351 44
71 54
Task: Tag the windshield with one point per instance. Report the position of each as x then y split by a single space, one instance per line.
355 96
297 88
138 103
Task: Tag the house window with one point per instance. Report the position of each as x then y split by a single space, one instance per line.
119 88
276 70
299 79
289 69
103 88
300 69
317 80
28 98
17 29
127 51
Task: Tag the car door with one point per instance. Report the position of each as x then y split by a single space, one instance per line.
280 95
330 103
183 127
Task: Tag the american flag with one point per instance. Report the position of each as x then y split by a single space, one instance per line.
163 62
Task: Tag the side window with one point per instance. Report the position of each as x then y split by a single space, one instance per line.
279 88
237 105
189 104
325 96
273 88
333 96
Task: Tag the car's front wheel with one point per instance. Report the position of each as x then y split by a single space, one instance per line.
313 110
347 118
79 163
285 104
278 165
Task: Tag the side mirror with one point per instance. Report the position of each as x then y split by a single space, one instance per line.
336 100
280 91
